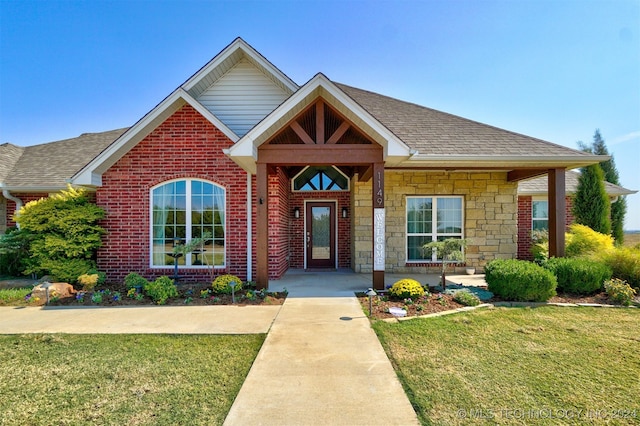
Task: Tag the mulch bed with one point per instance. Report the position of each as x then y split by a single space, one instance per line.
189 294
438 302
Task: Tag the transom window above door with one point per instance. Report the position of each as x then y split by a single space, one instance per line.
323 178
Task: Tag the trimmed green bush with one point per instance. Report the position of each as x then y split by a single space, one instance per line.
160 290
519 280
67 270
578 276
465 298
221 284
619 291
406 288
133 280
625 264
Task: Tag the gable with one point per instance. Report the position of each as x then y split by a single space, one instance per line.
242 97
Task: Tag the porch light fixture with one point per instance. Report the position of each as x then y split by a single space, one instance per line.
345 212
296 212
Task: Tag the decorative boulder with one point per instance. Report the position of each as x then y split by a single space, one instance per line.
60 290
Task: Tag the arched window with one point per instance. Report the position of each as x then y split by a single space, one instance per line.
326 178
186 209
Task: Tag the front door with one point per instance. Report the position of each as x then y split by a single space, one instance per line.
321 235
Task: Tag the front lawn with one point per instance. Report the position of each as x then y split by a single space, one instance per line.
546 365
122 379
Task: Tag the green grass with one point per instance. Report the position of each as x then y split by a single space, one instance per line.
473 368
14 296
122 379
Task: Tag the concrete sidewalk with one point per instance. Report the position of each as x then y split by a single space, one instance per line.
322 364
144 320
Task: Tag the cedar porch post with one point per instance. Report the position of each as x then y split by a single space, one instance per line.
262 225
379 241
557 212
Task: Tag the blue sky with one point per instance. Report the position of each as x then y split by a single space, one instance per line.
556 70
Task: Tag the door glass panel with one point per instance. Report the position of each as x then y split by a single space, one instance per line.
321 233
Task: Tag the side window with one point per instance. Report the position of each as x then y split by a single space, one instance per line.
540 215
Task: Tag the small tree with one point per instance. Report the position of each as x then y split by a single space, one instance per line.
611 175
65 234
450 251
591 204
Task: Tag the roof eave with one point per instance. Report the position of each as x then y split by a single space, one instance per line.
503 161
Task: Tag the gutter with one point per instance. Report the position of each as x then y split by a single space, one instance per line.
18 201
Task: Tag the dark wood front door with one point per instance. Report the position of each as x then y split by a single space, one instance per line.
321 235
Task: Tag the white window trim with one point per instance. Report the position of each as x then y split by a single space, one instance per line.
434 235
188 224
533 219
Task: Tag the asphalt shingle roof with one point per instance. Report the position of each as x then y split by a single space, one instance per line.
435 132
52 164
539 185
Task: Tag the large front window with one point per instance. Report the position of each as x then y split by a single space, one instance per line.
186 209
431 219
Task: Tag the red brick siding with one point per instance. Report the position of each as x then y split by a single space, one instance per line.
279 218
524 227
297 226
525 223
186 145
25 197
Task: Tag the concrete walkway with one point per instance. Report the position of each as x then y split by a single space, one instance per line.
143 320
321 363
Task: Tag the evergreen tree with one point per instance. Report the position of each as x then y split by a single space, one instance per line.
591 206
611 175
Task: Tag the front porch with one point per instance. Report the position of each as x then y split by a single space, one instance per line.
344 282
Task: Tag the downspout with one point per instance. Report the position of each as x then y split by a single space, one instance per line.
6 194
249 234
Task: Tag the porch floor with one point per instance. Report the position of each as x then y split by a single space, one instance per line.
344 282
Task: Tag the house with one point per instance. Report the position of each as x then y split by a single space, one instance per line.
533 206
318 176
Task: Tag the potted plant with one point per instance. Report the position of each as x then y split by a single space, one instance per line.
450 251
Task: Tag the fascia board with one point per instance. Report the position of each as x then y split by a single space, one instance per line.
509 161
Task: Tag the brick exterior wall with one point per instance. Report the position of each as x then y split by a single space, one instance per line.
186 145
3 214
525 211
25 197
297 237
279 218
490 216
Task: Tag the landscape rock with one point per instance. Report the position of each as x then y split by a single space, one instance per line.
60 290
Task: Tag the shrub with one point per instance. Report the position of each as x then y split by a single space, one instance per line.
406 288
160 290
67 270
584 241
465 298
133 280
519 280
578 276
619 291
221 284
625 264
65 233
88 281
14 251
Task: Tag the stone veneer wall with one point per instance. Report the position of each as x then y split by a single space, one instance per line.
490 216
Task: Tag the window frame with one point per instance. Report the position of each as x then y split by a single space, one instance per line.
188 223
293 180
434 234
535 200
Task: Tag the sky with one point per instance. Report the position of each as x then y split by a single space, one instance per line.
556 70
